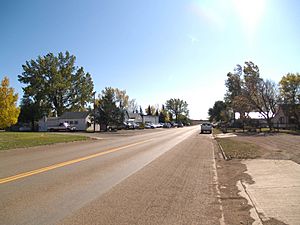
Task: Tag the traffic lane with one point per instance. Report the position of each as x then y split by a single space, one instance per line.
21 160
179 187
48 197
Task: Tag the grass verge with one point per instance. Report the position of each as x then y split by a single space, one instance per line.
239 150
11 140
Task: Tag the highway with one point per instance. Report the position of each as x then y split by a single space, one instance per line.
162 177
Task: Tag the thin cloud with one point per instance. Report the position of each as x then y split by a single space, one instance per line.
193 39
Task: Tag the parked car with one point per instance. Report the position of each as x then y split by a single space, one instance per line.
173 124
180 124
132 125
149 126
62 127
167 125
159 125
206 127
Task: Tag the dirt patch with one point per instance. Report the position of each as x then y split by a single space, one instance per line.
275 146
237 149
235 208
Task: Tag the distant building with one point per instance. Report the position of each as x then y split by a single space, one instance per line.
286 118
80 120
137 117
140 118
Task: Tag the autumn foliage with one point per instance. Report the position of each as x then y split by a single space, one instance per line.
9 112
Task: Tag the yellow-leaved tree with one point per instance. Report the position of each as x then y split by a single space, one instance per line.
9 112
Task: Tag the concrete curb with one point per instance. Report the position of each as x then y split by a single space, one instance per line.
220 147
223 153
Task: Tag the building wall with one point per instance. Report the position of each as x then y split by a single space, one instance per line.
150 119
80 124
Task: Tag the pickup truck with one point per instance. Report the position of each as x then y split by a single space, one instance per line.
62 127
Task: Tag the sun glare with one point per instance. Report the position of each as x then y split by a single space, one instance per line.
250 12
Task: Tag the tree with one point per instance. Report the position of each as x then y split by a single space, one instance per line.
234 84
107 110
121 98
133 106
290 94
141 110
261 95
290 88
177 107
30 111
9 111
55 82
163 115
150 110
216 113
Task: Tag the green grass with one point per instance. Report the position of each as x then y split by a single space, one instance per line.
12 140
235 149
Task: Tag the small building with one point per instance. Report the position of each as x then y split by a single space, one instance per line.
136 117
285 118
80 120
140 118
150 119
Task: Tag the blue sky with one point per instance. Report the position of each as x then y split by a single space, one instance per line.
155 49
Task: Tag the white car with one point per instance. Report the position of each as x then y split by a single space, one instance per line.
206 127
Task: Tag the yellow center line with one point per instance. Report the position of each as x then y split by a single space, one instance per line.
55 166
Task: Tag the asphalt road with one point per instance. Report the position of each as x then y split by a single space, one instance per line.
163 177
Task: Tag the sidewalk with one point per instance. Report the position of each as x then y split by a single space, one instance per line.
276 189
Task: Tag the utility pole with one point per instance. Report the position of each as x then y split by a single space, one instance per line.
94 93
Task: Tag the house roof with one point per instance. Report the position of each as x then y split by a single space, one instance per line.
133 115
74 115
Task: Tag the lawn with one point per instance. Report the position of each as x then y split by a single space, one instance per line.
11 140
235 149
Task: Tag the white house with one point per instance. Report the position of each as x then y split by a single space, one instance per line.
150 119
136 117
80 120
140 118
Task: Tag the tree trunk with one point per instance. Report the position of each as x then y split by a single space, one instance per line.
270 124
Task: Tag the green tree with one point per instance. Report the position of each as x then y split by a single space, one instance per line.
9 112
107 110
56 83
30 111
216 113
121 98
177 107
262 95
163 115
150 110
289 86
233 94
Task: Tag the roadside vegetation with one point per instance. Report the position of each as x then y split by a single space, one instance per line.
235 149
53 85
12 140
278 104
